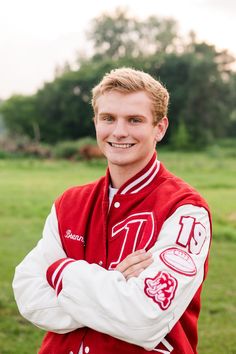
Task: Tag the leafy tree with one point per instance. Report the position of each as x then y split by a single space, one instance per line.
157 35
231 131
20 116
180 137
200 88
61 109
113 36
63 106
118 35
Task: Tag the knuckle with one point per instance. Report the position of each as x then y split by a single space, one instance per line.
132 268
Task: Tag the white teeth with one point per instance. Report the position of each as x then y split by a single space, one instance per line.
122 146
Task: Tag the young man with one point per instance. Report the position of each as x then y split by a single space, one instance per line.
122 260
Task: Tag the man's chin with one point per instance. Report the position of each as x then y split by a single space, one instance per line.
121 161
118 162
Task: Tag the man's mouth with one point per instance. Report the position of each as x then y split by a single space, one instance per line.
121 145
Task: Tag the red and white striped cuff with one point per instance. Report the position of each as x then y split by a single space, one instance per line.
55 272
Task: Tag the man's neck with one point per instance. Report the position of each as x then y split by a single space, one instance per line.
121 174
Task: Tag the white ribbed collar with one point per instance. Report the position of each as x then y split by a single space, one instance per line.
142 179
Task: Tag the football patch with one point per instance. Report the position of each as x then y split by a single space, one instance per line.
179 261
161 289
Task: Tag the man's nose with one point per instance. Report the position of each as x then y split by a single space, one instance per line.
120 129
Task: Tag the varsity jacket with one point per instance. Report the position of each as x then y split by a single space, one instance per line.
68 284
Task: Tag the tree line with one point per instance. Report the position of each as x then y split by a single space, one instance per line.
199 77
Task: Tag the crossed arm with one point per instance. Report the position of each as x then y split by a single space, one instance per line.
124 306
36 300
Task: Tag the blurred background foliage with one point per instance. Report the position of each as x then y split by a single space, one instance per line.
200 79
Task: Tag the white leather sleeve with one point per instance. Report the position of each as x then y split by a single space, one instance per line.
36 300
105 301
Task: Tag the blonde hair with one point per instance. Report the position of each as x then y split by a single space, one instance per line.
127 80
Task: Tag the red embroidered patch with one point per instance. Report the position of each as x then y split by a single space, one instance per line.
161 289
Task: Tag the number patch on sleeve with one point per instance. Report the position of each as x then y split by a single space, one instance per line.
192 234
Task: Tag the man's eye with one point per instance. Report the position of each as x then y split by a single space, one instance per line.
135 120
108 118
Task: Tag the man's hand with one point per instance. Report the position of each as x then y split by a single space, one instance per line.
135 263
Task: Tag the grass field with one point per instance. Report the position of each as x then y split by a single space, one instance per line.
29 187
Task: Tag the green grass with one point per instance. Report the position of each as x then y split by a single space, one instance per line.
27 191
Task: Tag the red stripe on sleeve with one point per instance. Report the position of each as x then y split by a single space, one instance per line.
54 273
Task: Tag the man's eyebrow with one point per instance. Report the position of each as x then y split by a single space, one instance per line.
134 115
106 113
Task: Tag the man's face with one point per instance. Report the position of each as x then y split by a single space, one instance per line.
125 131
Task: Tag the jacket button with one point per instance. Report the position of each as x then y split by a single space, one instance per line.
100 263
117 205
86 350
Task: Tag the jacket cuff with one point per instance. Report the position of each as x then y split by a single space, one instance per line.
55 272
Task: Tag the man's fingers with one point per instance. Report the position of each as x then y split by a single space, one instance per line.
132 259
136 269
135 274
135 263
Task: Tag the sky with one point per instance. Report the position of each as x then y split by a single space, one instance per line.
36 36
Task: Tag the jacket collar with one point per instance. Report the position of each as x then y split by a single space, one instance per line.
142 179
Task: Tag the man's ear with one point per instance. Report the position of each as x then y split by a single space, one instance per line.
161 126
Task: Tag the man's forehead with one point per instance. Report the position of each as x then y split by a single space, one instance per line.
129 103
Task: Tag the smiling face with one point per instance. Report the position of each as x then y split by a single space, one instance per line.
125 131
